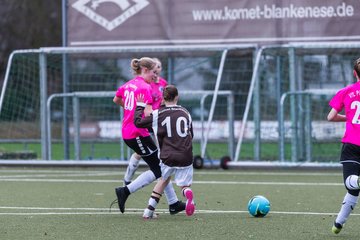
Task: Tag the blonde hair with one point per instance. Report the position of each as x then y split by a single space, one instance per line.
158 62
357 66
144 62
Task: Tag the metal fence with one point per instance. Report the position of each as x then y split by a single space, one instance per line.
278 96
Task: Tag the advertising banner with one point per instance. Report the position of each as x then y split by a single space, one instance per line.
169 22
321 130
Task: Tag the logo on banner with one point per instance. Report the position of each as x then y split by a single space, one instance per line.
129 9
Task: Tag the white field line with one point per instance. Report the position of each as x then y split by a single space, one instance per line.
6 170
270 183
52 171
64 175
136 211
62 209
218 172
194 182
267 173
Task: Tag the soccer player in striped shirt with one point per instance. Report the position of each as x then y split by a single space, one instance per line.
172 126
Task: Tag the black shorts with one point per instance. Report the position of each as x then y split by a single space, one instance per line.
143 146
146 148
350 153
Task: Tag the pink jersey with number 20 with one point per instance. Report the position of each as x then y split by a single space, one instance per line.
348 98
128 93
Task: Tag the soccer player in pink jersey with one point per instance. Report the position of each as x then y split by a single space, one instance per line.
348 99
157 86
138 139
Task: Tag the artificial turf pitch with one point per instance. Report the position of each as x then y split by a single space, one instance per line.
73 203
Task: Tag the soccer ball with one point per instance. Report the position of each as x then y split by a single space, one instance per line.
259 206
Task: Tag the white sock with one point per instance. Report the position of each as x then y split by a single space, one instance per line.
170 194
148 213
348 205
141 181
152 202
131 168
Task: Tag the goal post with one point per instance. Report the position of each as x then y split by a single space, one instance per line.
256 77
199 95
34 75
293 84
305 132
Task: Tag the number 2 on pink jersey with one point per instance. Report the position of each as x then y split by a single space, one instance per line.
356 105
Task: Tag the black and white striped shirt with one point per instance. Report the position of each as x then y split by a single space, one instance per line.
172 126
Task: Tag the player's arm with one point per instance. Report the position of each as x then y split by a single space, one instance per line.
118 101
148 110
334 116
139 121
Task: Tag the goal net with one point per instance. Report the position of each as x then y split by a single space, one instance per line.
34 76
292 87
280 108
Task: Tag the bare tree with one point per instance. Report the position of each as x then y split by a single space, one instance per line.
28 24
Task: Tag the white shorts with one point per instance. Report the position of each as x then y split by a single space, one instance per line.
182 175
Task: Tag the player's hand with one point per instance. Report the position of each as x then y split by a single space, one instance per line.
140 98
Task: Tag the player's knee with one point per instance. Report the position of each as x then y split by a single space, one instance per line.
352 183
136 156
156 171
153 162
